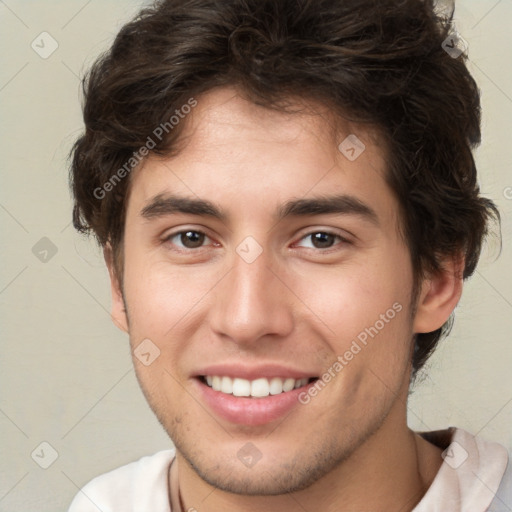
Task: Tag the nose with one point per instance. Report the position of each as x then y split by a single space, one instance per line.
252 301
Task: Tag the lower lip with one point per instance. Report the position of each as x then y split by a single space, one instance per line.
250 411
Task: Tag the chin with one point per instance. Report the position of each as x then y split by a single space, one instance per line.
263 481
282 474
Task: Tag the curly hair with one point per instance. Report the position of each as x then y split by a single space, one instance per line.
379 62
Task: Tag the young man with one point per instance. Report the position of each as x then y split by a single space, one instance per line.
287 219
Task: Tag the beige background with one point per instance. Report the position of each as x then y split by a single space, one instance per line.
66 374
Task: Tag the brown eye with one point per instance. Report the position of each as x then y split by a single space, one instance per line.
192 239
321 240
188 239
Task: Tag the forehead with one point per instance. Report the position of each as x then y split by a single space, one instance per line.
224 116
240 154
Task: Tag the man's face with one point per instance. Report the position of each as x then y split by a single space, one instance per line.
255 295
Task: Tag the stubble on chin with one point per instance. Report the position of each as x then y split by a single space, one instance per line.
309 463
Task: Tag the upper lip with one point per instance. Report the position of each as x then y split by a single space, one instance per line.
254 372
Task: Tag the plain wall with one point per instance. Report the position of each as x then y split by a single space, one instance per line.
66 372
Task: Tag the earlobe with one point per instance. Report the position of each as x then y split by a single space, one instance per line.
118 311
439 295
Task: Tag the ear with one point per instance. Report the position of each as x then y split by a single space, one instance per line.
118 313
439 295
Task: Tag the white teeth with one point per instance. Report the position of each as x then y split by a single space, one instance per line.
241 387
288 384
260 387
257 388
216 383
276 386
226 385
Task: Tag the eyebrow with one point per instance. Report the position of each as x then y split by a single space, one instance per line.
168 204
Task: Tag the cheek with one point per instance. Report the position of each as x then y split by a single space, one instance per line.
364 301
354 299
162 297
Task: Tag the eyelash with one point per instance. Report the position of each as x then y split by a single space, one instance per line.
343 240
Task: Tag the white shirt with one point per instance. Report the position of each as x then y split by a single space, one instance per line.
467 481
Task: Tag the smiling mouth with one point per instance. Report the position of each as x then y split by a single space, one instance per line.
258 388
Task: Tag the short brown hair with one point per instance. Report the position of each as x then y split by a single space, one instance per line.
379 62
